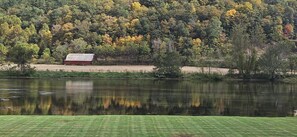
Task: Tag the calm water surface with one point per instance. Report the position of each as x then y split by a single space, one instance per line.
145 97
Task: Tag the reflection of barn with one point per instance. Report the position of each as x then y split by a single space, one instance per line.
79 87
80 91
79 59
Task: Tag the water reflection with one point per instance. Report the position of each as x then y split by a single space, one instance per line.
92 97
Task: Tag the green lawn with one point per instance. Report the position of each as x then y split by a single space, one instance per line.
145 126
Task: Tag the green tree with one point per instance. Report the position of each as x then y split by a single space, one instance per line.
11 30
3 52
243 52
104 51
60 52
22 54
83 28
273 61
293 63
79 45
46 56
257 37
214 29
143 52
45 37
168 64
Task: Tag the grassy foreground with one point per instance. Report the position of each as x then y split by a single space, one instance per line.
145 126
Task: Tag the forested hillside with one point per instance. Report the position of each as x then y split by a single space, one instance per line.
134 31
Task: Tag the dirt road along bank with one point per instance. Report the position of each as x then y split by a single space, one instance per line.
121 68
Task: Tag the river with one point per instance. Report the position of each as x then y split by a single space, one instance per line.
145 97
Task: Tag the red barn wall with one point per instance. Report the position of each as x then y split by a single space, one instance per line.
77 62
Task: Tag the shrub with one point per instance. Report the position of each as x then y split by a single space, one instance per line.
26 70
207 76
168 65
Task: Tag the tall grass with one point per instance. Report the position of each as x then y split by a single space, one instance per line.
62 74
206 76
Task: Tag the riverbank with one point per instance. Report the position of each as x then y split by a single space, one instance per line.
146 126
132 72
117 72
109 75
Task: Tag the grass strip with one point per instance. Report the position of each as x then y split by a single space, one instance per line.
110 75
63 74
146 126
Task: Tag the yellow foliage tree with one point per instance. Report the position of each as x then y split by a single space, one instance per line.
67 27
134 22
197 42
231 13
136 6
107 39
256 2
248 6
129 39
196 46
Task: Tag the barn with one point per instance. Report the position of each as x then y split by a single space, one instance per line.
79 59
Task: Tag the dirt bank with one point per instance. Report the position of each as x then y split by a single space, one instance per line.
118 68
121 68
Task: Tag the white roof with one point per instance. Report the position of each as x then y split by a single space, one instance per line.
79 57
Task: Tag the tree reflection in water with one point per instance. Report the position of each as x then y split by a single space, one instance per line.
167 97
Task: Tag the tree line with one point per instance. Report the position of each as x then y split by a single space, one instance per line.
241 34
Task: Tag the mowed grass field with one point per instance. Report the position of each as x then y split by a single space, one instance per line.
145 126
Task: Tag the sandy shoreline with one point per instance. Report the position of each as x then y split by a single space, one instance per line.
119 68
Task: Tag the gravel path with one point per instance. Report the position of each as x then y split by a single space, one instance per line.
121 68
118 68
